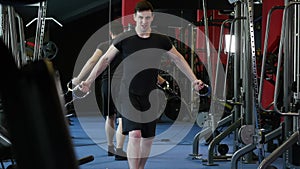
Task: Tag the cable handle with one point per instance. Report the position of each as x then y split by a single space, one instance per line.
76 92
205 91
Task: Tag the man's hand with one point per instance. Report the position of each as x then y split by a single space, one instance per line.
75 81
198 85
84 86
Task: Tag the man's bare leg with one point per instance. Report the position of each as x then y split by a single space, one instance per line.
146 144
133 149
120 138
110 132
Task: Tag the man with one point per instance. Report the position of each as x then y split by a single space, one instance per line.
144 43
103 96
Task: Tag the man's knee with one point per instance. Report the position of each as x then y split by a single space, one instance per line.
135 134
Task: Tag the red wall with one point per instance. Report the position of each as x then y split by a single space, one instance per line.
275 24
127 11
273 43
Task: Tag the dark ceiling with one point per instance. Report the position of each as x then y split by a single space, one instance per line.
69 10
65 10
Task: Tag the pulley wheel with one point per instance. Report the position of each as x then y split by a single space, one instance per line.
223 149
50 50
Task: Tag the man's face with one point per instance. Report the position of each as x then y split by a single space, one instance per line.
143 20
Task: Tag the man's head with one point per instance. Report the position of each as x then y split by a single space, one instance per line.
143 5
143 16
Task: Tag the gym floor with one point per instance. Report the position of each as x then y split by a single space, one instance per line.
89 139
172 147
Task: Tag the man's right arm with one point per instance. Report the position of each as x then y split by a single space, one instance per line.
99 67
87 67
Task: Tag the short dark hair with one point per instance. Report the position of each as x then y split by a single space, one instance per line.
143 5
116 27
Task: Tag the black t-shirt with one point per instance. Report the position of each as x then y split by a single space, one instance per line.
141 59
117 73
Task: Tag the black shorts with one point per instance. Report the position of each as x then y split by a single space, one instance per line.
101 92
142 104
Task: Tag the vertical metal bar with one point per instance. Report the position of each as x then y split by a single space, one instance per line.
39 36
295 39
287 80
228 59
250 75
192 46
22 53
248 92
296 47
237 69
5 25
13 34
208 54
219 52
206 30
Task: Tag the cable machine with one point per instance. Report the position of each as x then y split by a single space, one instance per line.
248 132
288 58
31 98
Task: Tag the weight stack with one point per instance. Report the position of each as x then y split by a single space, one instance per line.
35 115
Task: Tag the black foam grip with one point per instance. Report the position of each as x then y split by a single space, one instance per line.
85 160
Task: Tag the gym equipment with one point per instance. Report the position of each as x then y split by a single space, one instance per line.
37 127
250 94
264 59
37 124
205 92
290 109
260 138
76 93
10 31
205 131
14 38
40 30
85 160
48 50
5 147
223 149
245 98
175 103
217 138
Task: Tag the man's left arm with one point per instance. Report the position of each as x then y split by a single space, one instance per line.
181 63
